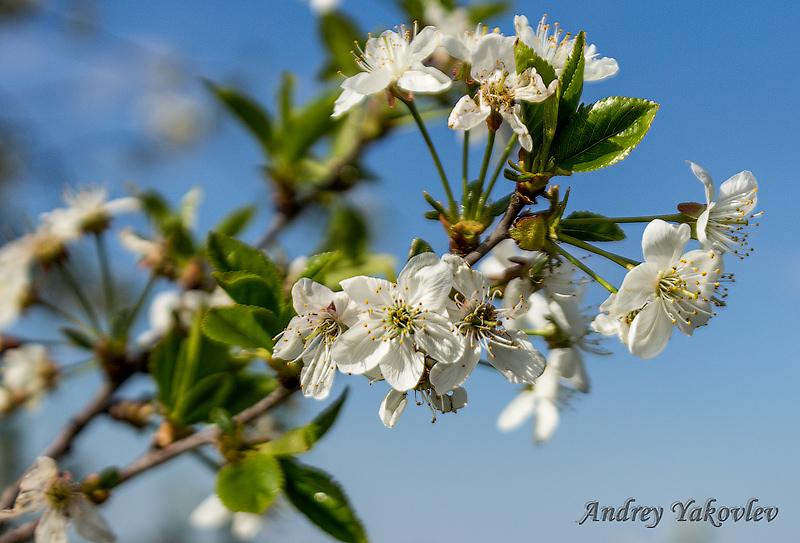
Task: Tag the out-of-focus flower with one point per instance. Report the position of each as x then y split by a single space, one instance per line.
178 306
27 372
15 279
212 514
89 211
45 488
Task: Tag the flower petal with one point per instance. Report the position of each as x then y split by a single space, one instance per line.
516 359
392 407
401 365
663 243
424 80
650 330
705 178
518 411
446 376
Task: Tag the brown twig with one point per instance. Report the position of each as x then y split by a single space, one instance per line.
155 457
500 232
21 533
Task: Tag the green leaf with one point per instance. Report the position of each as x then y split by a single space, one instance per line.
228 254
338 33
304 437
235 221
588 226
247 288
526 57
309 126
163 364
250 484
248 112
602 133
481 12
321 500
243 325
571 80
196 403
346 232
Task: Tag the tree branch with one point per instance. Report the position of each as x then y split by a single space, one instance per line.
500 232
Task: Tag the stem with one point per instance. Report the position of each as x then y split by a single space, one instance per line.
465 164
415 114
209 435
608 286
626 263
138 305
500 232
105 270
498 169
78 293
65 314
487 156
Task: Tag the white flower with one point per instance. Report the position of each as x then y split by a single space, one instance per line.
480 324
400 323
719 226
556 52
88 211
394 60
321 7
179 306
44 487
15 278
394 403
322 316
212 514
27 371
667 288
540 401
502 89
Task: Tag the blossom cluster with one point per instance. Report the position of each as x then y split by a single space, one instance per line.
413 334
395 62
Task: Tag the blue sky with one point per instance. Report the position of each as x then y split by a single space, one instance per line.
714 415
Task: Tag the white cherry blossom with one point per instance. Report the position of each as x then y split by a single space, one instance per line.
556 49
26 372
539 401
212 514
479 323
502 88
394 60
44 487
400 324
322 316
720 225
667 288
89 211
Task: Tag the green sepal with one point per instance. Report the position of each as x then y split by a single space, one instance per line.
315 494
304 437
78 337
251 114
419 246
317 266
436 205
602 133
235 221
250 484
588 226
228 254
495 209
247 326
571 80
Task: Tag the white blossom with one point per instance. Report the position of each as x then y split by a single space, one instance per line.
212 514
556 49
26 372
479 323
394 60
15 278
667 288
45 488
89 210
322 316
502 88
720 226
539 401
400 324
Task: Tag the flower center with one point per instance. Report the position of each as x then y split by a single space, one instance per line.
400 320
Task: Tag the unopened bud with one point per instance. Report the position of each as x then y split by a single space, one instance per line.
691 209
